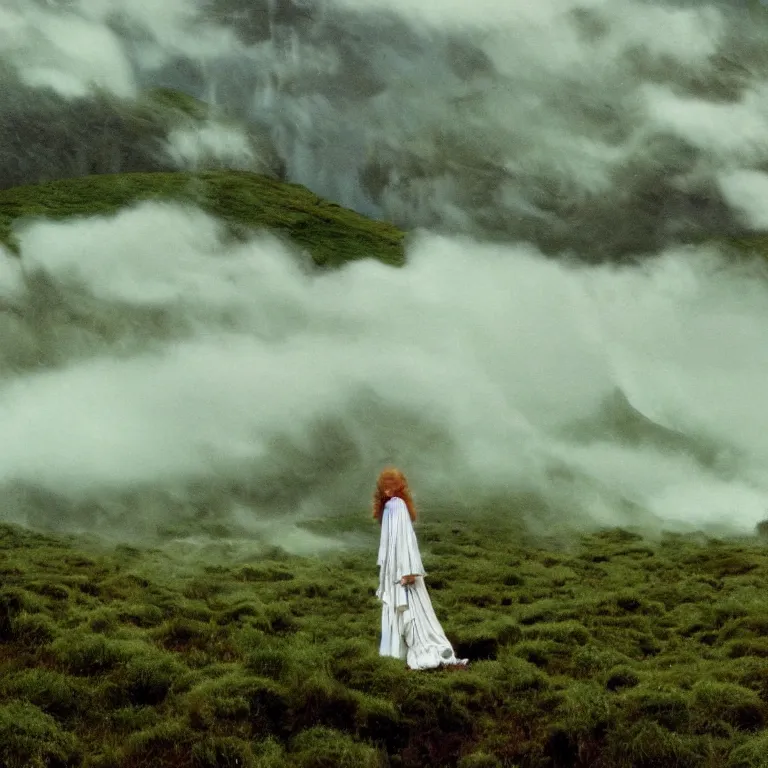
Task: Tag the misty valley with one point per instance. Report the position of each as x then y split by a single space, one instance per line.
251 252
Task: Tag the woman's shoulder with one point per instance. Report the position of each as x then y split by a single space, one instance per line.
396 506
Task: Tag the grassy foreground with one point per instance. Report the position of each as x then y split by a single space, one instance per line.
617 652
245 201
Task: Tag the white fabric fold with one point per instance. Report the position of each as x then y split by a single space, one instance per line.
410 629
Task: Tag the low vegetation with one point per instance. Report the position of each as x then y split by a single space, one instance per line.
610 651
245 201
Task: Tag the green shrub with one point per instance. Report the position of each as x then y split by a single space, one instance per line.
181 634
280 619
107 756
745 627
244 610
562 632
57 694
265 573
321 700
131 719
14 601
202 589
519 674
748 672
321 747
585 708
378 721
581 720
729 703
753 753
103 620
141 615
725 611
593 658
541 611
477 643
33 629
669 707
736 649
237 697
620 677
357 664
267 662
542 653
88 654
629 601
52 589
648 744
479 760
30 738
269 753
145 679
222 752
168 743
436 708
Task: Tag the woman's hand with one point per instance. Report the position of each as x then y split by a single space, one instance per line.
408 580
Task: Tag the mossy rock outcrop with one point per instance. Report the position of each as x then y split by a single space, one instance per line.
245 202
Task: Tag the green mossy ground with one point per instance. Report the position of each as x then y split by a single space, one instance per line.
614 651
245 201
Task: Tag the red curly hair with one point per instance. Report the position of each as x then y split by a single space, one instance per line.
392 482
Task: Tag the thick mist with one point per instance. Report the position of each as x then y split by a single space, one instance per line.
156 381
570 342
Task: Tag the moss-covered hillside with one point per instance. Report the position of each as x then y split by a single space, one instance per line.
245 201
616 653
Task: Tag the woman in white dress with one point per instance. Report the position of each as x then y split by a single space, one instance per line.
409 628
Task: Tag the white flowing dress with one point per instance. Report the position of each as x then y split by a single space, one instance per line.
409 628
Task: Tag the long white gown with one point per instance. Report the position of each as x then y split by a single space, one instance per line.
409 628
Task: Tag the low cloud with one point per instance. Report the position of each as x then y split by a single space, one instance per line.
198 372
